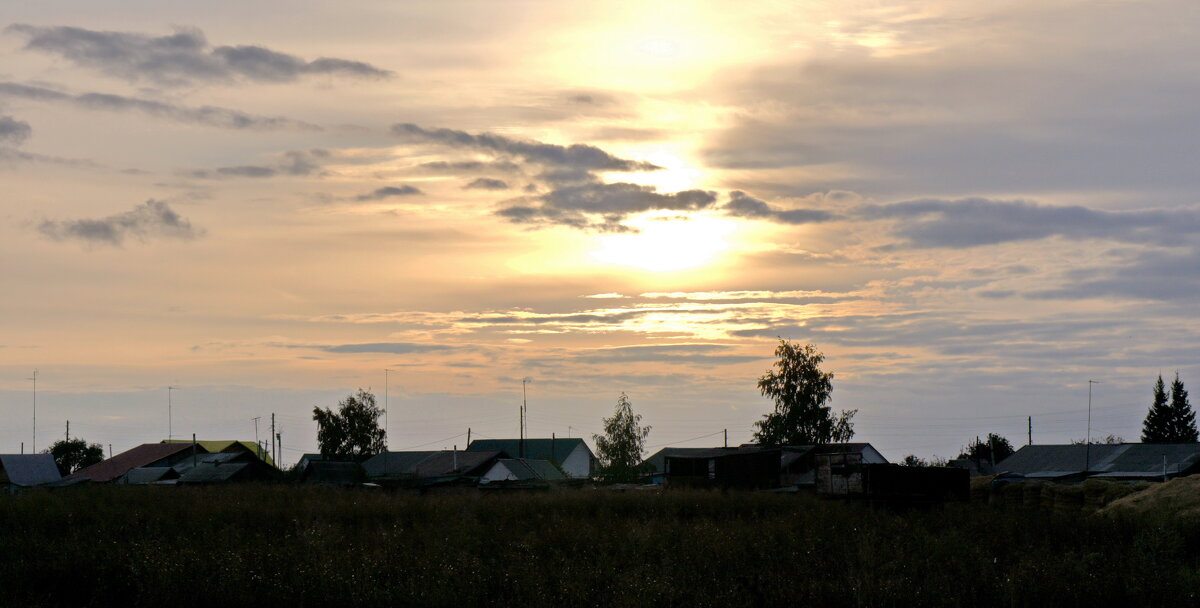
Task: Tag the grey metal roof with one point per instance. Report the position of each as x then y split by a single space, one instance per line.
28 469
142 475
528 469
1128 459
212 473
394 465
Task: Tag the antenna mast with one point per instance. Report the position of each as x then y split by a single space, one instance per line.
34 378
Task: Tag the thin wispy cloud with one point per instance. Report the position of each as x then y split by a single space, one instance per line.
224 118
14 132
389 192
575 156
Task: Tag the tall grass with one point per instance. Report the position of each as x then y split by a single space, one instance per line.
284 545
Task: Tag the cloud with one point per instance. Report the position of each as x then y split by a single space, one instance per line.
575 156
204 115
294 162
182 58
601 206
13 132
152 219
469 166
743 205
486 183
972 222
389 192
1146 275
393 348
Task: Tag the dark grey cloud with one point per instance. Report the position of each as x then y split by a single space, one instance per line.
486 183
389 192
600 206
152 219
13 132
294 163
184 57
973 222
204 115
743 205
392 348
575 156
470 166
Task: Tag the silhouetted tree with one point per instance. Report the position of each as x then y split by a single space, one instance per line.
991 450
1183 419
1172 422
73 454
800 391
620 447
352 432
1110 440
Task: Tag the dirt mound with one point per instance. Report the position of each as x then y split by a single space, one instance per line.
1180 496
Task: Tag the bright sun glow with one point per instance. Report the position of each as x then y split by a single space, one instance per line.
663 244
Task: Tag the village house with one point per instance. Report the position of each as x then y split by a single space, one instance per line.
153 455
426 469
571 455
749 465
27 470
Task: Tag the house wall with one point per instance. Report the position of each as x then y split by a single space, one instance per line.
578 464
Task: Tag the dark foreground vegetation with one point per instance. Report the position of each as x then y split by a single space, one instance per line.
285 545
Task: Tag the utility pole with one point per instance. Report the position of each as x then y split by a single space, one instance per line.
34 444
68 435
170 389
110 450
255 419
1030 431
468 438
727 438
279 438
385 409
273 439
524 406
1087 462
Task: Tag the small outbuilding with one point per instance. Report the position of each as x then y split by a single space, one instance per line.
1123 461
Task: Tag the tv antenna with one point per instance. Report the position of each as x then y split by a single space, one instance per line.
34 378
170 388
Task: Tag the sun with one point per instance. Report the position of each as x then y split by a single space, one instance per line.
666 243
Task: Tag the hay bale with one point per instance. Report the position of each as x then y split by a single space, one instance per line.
1094 491
1068 499
1032 497
1180 496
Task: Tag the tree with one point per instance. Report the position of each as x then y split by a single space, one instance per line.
73 454
620 447
1110 440
1172 422
991 450
800 391
1183 419
352 432
912 460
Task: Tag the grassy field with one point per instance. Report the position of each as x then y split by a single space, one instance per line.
284 545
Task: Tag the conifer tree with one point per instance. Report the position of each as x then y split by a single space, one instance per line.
1183 419
1157 426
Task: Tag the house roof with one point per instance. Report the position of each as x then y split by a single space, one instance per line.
527 469
140 456
143 475
393 465
213 473
1114 460
333 472
28 469
555 450
448 463
229 445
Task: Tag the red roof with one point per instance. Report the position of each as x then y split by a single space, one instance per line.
142 455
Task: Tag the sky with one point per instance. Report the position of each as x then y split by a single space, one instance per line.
970 208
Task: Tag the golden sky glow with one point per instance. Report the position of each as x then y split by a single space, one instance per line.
970 209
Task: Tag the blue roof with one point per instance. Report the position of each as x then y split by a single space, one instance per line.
28 469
